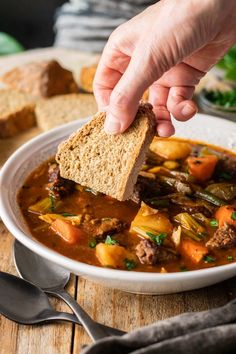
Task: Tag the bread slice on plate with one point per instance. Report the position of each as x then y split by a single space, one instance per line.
87 74
63 109
41 79
16 113
107 163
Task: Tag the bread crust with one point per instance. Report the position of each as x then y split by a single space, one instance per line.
108 163
17 113
41 79
63 109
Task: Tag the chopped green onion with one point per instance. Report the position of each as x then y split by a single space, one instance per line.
93 244
214 223
110 241
230 258
129 264
209 259
158 239
233 215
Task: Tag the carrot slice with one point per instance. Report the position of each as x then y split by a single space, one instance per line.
193 250
202 167
67 231
226 214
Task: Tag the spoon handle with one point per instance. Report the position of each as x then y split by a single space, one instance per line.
65 316
94 329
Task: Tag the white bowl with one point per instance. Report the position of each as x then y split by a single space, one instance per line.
202 127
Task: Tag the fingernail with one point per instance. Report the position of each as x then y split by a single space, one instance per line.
188 110
112 125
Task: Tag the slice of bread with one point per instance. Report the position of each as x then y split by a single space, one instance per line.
87 74
41 79
107 163
63 109
16 113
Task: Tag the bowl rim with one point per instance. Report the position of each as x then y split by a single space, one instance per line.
66 262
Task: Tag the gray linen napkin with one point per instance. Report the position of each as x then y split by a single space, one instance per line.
212 331
86 24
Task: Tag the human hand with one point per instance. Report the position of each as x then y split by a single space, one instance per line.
168 47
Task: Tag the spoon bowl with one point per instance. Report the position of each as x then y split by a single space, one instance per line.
25 303
52 279
49 275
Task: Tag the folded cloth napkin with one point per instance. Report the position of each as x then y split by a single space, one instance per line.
86 24
212 331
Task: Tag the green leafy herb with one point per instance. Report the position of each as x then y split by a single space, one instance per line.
158 239
230 258
183 268
110 241
67 214
209 259
214 223
224 99
9 45
53 204
233 215
129 264
92 243
228 64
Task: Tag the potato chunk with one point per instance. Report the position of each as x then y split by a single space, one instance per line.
170 149
155 221
112 255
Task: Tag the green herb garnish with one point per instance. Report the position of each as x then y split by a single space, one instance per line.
129 264
224 99
209 259
93 244
214 223
233 215
228 64
110 241
158 239
230 258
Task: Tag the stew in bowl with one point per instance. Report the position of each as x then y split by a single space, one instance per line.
181 217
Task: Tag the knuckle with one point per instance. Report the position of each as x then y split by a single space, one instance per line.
119 99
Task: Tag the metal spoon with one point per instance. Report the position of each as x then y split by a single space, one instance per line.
52 279
25 303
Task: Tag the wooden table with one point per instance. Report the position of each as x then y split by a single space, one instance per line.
112 307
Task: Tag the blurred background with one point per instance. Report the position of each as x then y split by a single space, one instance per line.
29 21
85 25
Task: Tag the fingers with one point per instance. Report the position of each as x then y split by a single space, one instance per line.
158 96
126 95
179 103
111 66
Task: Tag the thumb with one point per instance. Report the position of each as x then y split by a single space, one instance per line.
125 97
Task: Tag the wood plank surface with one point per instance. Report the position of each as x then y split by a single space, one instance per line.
112 307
